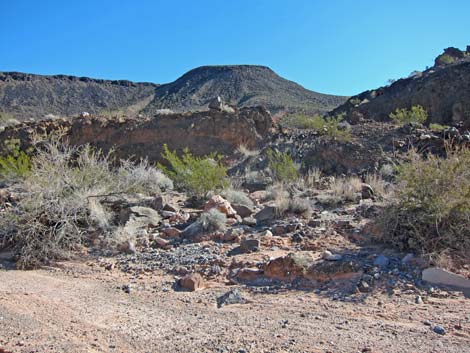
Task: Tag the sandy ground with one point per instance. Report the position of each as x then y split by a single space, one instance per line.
82 308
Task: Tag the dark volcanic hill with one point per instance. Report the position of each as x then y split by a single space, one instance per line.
34 96
241 86
443 90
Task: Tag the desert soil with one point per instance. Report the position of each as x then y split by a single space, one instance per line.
81 307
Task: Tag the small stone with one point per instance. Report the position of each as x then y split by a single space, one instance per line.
250 245
162 243
439 330
328 255
407 258
363 287
266 233
381 261
418 300
427 323
127 288
192 282
231 297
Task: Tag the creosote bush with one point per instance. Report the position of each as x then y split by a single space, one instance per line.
282 166
59 205
417 114
195 175
237 197
431 212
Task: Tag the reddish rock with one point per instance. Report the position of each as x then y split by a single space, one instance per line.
192 282
288 268
222 205
171 232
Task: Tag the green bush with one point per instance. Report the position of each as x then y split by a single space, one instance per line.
16 164
324 126
282 166
431 212
417 114
438 127
196 175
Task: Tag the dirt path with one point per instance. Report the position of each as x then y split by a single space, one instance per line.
82 308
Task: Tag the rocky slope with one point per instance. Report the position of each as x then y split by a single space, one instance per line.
443 90
241 86
25 96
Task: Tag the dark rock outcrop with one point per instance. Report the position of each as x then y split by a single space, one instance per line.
202 132
444 91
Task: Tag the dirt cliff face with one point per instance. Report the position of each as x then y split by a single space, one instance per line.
202 132
443 91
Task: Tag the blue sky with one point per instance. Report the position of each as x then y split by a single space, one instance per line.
336 46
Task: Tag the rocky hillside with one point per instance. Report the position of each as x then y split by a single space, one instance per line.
241 86
25 96
443 90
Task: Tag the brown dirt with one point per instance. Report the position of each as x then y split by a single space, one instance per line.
80 307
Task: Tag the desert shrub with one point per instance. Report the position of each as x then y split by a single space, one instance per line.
438 127
16 163
417 114
346 188
382 189
237 197
60 201
213 220
446 59
196 175
282 166
326 126
7 119
246 152
312 178
142 178
300 206
431 212
355 101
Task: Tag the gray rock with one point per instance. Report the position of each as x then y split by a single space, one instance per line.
443 277
418 300
439 330
267 214
242 210
381 261
328 255
216 103
249 245
249 221
232 297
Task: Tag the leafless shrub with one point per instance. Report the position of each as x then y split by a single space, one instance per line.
60 203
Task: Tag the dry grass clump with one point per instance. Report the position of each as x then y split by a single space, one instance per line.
60 202
431 212
237 197
382 189
288 202
346 188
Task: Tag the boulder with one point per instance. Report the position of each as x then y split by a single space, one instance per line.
267 214
289 267
242 210
192 282
222 205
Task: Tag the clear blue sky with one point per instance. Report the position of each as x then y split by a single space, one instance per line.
335 46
